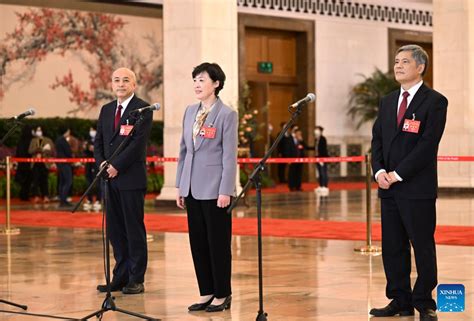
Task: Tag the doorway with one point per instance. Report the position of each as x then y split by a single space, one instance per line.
287 47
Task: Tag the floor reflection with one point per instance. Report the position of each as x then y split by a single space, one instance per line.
55 271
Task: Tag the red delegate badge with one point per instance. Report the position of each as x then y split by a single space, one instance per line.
125 130
208 132
411 126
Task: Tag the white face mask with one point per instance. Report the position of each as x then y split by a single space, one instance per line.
39 133
92 133
317 133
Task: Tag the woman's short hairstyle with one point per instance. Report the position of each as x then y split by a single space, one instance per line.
214 71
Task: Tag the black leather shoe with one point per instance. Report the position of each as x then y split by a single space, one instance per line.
133 288
392 309
114 286
428 315
221 307
200 306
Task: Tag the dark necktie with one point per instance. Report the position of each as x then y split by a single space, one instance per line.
403 107
118 114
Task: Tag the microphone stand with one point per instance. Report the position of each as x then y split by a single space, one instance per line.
255 178
21 306
16 123
108 304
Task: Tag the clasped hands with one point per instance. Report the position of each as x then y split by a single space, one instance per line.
111 171
385 180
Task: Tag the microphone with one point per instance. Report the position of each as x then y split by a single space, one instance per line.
308 99
153 107
29 112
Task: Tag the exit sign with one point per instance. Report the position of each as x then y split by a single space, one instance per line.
265 67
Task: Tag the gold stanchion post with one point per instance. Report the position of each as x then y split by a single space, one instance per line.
368 248
8 230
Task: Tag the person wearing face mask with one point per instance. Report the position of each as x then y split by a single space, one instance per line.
23 175
40 147
283 150
321 150
205 182
295 171
94 197
63 150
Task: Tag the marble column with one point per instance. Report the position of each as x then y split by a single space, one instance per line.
194 32
453 51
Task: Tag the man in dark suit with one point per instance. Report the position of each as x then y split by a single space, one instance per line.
127 182
63 150
283 149
296 149
321 150
405 142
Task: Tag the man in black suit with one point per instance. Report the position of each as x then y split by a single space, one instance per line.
295 170
127 182
284 149
321 150
63 150
405 142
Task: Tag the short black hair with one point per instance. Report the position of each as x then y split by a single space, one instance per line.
214 71
320 128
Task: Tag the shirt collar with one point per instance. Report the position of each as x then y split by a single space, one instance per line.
201 108
125 102
412 91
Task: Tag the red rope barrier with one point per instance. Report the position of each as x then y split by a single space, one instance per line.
175 159
240 160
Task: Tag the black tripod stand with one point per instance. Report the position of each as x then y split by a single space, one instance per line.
255 179
17 123
109 304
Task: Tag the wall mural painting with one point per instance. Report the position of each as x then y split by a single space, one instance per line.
64 59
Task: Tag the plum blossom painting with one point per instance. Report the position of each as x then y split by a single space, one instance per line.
60 61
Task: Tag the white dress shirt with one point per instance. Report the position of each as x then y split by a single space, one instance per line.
124 104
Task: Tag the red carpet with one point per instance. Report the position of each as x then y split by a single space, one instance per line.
448 235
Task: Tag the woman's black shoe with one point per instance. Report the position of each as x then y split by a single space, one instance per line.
221 307
200 306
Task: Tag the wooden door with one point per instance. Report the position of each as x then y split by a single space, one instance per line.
272 92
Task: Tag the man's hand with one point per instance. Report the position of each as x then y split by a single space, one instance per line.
180 200
112 171
392 177
384 180
223 201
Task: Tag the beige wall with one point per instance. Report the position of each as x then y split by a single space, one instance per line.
204 31
344 52
453 47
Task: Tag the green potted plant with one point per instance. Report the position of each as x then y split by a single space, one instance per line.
365 96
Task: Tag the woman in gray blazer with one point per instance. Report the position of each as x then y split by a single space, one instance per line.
205 183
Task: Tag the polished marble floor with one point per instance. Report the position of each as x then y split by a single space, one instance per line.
55 271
